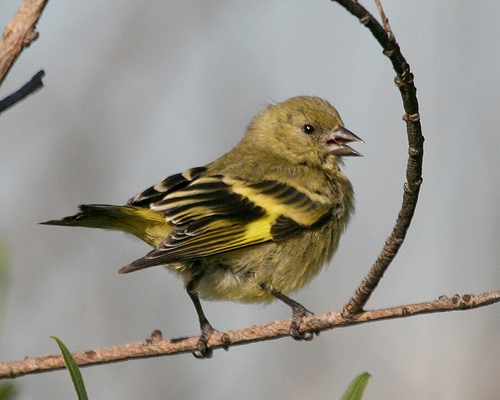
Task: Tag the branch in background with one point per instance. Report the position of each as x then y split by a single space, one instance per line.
404 81
19 33
157 346
28 88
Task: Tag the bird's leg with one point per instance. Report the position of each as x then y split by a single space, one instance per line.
206 328
298 312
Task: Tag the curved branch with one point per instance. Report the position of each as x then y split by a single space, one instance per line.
157 346
404 81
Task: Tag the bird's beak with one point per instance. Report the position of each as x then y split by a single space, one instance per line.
336 142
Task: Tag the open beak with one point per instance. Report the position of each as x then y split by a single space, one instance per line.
336 142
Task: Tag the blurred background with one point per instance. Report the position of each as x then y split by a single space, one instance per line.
136 91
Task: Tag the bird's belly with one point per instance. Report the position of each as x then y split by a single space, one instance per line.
285 266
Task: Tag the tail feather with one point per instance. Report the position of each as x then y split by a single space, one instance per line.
134 266
90 216
144 223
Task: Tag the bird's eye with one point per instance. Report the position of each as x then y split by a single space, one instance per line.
308 128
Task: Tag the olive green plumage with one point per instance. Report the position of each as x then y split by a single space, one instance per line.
261 219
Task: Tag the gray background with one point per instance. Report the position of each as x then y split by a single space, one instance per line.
136 91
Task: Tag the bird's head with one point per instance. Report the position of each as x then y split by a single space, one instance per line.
303 129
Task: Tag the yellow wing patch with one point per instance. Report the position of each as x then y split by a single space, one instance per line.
215 214
305 208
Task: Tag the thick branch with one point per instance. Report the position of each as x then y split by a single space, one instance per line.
404 81
19 33
157 346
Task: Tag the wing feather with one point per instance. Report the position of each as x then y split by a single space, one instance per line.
168 185
214 214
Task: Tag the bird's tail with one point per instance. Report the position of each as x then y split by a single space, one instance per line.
144 223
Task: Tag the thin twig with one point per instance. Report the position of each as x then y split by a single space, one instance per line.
19 33
404 81
28 88
157 346
385 20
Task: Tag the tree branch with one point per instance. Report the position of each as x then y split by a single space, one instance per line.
157 346
19 33
385 20
404 81
28 88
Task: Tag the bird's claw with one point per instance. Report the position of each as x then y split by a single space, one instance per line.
298 314
202 349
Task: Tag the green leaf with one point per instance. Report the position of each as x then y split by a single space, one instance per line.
357 387
7 391
73 369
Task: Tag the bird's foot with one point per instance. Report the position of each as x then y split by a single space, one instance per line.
202 349
300 312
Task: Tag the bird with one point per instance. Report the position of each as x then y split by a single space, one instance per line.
254 225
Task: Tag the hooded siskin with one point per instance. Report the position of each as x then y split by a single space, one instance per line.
260 220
